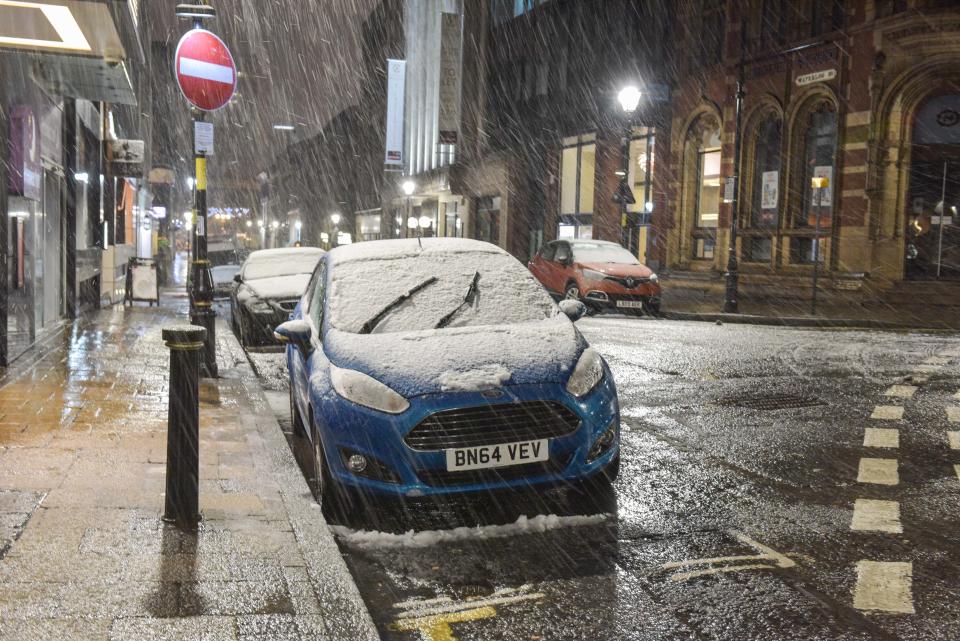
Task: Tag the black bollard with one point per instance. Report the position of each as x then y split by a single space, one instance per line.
182 505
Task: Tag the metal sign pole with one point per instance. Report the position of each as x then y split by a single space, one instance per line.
943 212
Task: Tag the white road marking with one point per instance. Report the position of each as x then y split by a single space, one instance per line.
919 378
928 369
206 70
936 360
957 395
954 439
879 437
500 597
876 516
901 391
884 586
953 413
956 468
766 554
887 413
953 353
880 471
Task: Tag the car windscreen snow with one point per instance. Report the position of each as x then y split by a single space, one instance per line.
603 253
505 292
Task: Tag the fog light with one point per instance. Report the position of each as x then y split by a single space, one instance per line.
357 463
604 442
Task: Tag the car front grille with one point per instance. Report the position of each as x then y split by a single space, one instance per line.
492 424
636 282
443 478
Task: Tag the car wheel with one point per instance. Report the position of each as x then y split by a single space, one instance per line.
244 323
333 500
596 492
572 292
299 430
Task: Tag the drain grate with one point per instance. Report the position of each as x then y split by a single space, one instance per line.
770 402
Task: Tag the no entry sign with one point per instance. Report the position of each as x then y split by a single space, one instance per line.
205 70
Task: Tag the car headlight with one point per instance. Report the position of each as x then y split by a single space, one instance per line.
654 278
592 274
587 374
367 391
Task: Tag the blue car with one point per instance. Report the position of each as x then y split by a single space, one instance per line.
440 366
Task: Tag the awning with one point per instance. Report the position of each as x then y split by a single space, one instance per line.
73 46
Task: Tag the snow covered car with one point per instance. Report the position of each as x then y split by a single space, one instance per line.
223 279
269 285
444 368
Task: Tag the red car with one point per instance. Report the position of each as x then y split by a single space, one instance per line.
600 274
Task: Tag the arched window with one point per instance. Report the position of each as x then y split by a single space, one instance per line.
818 142
763 206
705 137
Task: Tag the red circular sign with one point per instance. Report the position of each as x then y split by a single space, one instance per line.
205 70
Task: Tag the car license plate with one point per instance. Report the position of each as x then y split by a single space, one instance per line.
635 304
503 455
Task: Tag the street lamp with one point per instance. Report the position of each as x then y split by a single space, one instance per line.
629 99
299 227
425 223
335 219
408 188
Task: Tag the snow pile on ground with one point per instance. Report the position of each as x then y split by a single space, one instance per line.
474 380
428 538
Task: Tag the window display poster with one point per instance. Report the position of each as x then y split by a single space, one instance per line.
24 149
770 193
825 198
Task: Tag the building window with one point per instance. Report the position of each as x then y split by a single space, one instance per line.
885 8
812 18
506 10
701 186
762 190
488 219
818 141
711 20
453 224
641 170
578 163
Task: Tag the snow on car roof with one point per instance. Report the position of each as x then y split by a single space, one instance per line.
266 254
404 247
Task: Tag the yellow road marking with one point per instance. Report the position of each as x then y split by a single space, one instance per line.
880 471
884 587
437 627
879 437
887 413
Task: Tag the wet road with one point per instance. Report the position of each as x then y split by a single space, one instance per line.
776 484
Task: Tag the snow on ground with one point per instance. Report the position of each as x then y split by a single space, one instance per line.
427 538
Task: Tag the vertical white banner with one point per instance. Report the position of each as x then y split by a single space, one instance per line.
450 45
396 83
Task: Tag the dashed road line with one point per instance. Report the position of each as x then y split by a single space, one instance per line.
936 360
956 468
884 586
437 628
880 437
901 391
954 439
879 471
953 413
887 413
928 369
876 516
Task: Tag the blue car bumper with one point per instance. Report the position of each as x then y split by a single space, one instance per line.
396 468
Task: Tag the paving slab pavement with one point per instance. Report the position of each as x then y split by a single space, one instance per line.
84 553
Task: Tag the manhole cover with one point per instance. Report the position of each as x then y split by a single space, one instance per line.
770 402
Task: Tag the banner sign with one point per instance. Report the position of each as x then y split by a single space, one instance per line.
24 150
396 81
770 194
450 45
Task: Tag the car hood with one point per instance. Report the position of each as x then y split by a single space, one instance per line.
620 270
275 288
223 274
463 358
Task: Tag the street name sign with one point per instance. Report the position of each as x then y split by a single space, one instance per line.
205 70
816 76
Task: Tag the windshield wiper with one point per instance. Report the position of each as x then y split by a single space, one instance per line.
396 302
467 300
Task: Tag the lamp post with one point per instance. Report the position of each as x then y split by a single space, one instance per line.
629 98
335 219
299 227
819 183
408 188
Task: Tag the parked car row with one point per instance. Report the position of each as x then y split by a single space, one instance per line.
439 366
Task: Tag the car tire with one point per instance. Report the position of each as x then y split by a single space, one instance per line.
651 308
334 500
572 291
595 493
244 323
299 429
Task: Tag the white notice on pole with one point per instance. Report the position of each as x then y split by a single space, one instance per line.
203 138
396 78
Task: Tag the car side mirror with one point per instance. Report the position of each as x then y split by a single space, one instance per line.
294 332
237 278
574 309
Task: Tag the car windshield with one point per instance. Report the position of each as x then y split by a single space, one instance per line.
275 264
506 293
603 253
222 257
